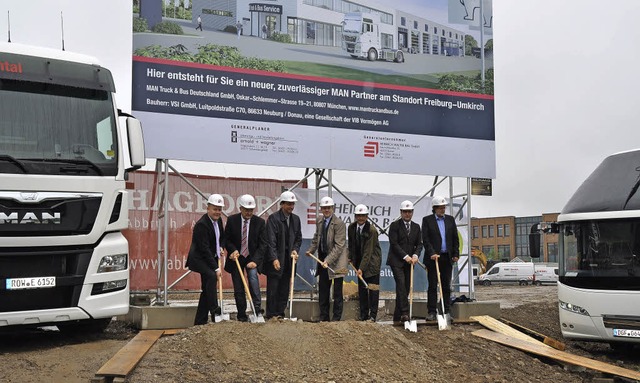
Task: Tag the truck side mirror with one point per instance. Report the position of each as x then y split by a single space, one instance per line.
534 242
136 143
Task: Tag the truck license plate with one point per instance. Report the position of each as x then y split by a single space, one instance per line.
30 283
626 333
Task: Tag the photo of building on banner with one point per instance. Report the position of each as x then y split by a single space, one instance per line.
379 87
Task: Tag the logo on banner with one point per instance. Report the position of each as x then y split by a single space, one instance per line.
234 136
311 214
371 149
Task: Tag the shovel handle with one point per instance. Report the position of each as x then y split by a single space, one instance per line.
411 293
293 275
440 285
320 262
246 286
366 285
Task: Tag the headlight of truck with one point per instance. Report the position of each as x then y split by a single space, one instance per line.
110 263
573 308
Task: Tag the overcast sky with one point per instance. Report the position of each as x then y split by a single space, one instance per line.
566 84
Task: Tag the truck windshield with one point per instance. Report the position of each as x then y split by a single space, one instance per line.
56 129
352 25
601 254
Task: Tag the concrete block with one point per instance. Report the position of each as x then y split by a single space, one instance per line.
160 317
419 307
464 310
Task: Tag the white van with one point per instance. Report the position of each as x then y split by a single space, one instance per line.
545 274
521 272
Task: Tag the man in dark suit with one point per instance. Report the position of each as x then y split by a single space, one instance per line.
207 246
284 237
405 246
246 240
441 244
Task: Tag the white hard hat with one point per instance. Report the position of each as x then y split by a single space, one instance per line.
216 200
326 201
246 201
438 201
361 209
288 196
406 205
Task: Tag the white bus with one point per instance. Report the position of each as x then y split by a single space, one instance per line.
599 244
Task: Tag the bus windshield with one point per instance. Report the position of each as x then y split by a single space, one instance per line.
601 254
56 129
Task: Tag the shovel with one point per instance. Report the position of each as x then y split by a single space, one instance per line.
252 318
443 319
222 316
372 286
411 325
293 275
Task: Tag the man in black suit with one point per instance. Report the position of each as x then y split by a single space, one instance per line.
207 246
405 246
284 237
441 244
246 239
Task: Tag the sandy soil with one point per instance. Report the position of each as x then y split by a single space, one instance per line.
348 351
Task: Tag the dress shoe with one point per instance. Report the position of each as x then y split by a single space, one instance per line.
243 319
404 318
431 317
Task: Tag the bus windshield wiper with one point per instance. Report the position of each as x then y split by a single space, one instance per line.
13 160
82 163
634 189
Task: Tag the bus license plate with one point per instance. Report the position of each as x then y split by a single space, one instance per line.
626 333
30 283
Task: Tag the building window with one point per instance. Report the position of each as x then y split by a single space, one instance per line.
435 30
485 231
403 21
415 25
456 36
489 252
492 230
504 251
443 32
426 28
500 230
507 230
475 232
552 252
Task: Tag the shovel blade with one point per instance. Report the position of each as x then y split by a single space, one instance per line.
411 325
260 319
442 322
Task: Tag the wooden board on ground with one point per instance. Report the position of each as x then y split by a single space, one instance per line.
173 331
123 362
497 326
536 335
541 349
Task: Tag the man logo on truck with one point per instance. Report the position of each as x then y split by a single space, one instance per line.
30 217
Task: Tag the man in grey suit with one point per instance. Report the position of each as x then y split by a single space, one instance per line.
330 240
405 246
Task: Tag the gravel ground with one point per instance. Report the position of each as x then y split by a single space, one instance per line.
348 351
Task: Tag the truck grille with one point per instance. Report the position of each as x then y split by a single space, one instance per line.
68 264
49 217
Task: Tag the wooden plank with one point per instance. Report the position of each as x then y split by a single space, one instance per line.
549 341
173 331
124 361
497 326
565 357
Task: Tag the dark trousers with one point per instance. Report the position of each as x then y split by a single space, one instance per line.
368 298
402 277
278 293
324 290
208 302
445 276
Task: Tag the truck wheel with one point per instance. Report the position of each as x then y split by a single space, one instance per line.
523 283
537 283
399 57
486 282
372 55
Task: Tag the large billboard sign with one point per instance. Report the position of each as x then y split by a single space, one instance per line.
372 88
